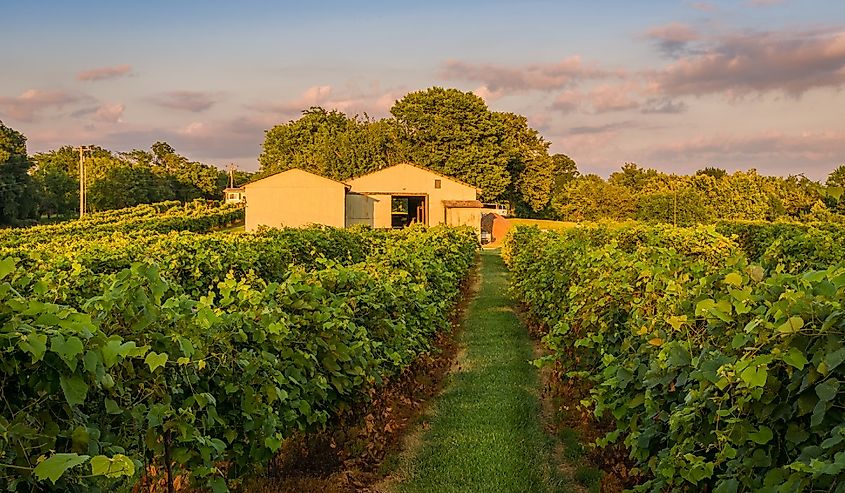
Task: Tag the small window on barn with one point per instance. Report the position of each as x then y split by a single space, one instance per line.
436 183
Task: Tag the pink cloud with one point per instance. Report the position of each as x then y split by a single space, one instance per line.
606 98
103 73
109 113
738 64
568 101
674 37
812 153
374 101
192 101
704 6
539 76
28 106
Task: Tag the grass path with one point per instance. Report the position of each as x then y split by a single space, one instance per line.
486 434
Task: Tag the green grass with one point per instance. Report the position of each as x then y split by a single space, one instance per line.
485 433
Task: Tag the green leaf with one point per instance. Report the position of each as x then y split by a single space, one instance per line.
794 324
34 344
756 272
755 376
54 466
794 357
155 360
7 266
74 388
835 358
218 485
827 390
761 436
727 486
112 407
734 279
114 467
67 349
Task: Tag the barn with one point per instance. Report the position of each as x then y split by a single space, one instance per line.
392 197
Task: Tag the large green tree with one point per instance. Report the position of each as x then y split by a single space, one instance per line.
332 144
447 130
18 192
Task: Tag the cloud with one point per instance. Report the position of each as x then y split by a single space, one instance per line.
103 73
603 98
192 101
673 38
110 113
606 98
568 101
704 6
29 105
107 112
737 64
600 129
664 106
812 153
540 76
372 100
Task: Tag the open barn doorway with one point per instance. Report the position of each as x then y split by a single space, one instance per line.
408 209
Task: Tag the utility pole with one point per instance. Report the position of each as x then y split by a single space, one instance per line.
83 199
232 169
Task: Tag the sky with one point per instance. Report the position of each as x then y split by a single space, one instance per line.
671 85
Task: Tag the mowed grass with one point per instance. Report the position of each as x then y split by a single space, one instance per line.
485 434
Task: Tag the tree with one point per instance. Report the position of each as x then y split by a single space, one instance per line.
712 171
633 177
446 130
565 170
116 184
18 193
331 144
58 191
454 133
589 198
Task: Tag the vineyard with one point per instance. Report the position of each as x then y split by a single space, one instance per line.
711 356
139 339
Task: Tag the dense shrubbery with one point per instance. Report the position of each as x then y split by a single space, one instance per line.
210 368
792 247
138 221
721 375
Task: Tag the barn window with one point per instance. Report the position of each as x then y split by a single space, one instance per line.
436 183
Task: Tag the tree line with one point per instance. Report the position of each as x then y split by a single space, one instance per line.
711 194
447 130
47 183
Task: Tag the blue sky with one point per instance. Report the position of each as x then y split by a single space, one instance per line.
675 85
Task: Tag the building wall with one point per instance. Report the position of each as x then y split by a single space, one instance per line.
406 179
295 198
465 217
359 209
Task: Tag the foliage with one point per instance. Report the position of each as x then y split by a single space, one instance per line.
152 362
721 375
447 130
589 198
17 189
120 180
710 195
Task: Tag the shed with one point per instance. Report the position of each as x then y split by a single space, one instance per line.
295 198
